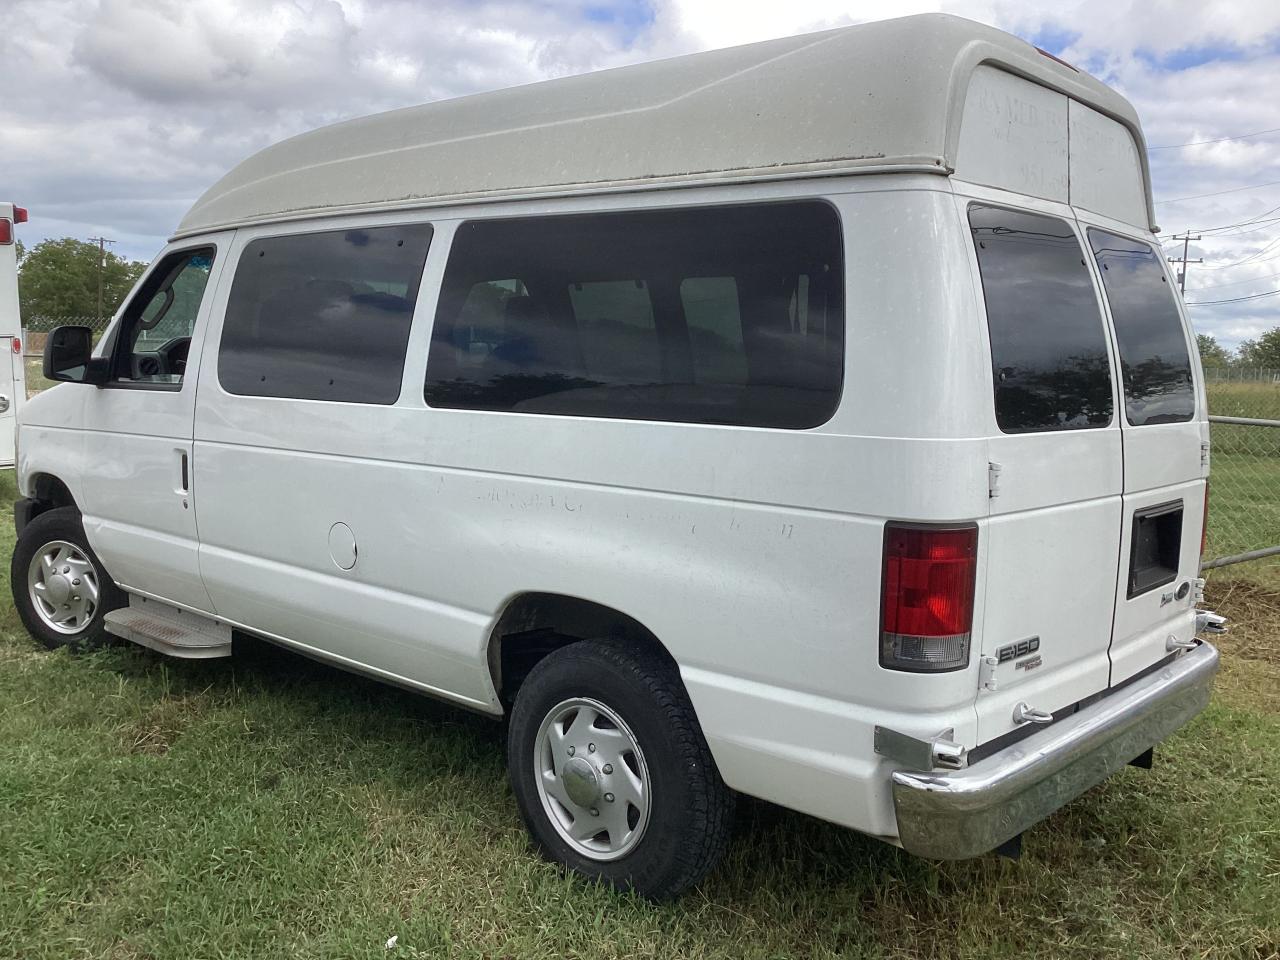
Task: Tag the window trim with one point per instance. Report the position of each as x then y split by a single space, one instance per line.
117 347
1104 316
842 277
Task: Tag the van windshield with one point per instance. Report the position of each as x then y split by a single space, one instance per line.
1154 357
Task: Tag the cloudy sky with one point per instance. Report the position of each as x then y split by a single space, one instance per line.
117 114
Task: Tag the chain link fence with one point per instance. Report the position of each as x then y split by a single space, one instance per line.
1244 503
1238 374
1244 507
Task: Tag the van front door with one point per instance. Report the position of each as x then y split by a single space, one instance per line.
1164 424
1053 535
139 496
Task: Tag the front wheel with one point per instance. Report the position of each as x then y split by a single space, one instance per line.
60 588
611 772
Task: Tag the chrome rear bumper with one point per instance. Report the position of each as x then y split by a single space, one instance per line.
966 813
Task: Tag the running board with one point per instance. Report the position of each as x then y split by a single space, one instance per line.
168 630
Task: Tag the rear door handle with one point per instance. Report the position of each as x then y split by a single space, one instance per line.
184 477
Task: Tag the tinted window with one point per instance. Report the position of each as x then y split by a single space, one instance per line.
1153 348
710 316
159 322
323 316
715 329
1048 343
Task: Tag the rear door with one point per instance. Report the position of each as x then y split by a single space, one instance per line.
1163 425
1053 535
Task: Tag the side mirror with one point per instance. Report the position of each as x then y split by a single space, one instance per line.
68 356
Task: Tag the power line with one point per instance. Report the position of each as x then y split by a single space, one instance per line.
1234 283
1256 296
1260 218
1218 193
1247 223
1255 257
1198 143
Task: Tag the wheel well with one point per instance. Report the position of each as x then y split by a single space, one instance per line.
535 624
50 492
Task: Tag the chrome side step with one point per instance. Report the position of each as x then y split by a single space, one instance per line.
168 630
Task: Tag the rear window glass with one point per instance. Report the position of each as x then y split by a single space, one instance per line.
1048 344
1154 357
323 316
717 315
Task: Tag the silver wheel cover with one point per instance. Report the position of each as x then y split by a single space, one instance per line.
63 586
592 779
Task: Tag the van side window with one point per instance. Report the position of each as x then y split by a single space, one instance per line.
1154 357
323 316
158 323
718 315
1048 344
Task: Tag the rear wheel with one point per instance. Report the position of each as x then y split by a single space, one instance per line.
611 772
60 588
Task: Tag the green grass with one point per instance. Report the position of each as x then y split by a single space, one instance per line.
270 807
1250 398
34 368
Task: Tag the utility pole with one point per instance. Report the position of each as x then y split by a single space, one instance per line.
102 265
1186 239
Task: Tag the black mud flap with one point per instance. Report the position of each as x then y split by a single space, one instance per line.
24 511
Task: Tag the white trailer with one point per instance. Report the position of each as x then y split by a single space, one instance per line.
13 381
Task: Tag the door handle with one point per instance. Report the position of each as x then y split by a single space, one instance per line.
184 478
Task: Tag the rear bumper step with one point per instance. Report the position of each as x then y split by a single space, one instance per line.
966 813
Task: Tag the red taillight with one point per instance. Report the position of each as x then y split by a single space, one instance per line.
926 605
6 231
19 214
17 345
1204 523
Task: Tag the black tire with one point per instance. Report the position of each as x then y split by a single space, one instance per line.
690 810
62 524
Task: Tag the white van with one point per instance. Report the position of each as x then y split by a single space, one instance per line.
814 420
13 374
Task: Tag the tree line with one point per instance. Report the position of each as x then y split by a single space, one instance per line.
1263 351
59 278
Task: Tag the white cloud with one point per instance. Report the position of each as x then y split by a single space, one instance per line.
118 113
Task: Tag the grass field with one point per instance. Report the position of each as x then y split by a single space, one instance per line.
268 807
